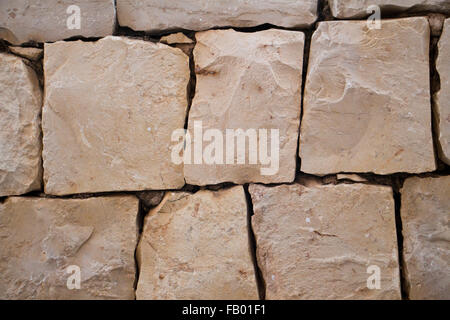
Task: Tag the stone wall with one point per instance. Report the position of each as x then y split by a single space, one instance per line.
348 200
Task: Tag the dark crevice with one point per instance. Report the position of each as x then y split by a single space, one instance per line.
404 284
306 52
142 212
253 245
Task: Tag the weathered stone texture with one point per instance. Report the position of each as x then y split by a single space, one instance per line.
20 133
33 54
46 20
40 238
317 241
358 8
195 246
425 213
367 99
247 81
157 15
109 112
442 106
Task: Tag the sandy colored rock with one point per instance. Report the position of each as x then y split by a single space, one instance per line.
196 246
317 242
33 54
358 8
40 238
247 81
425 215
20 133
442 105
49 20
367 99
176 38
352 177
157 15
436 21
109 112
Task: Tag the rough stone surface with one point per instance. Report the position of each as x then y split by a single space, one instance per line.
425 213
47 20
367 99
436 21
33 54
109 112
195 246
40 238
358 8
247 81
176 38
317 242
442 106
157 15
352 177
20 133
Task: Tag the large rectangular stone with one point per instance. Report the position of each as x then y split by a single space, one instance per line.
51 20
442 105
326 241
425 213
47 245
248 81
159 15
360 8
109 111
196 246
367 99
20 132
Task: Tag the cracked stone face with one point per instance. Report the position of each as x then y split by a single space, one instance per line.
367 99
195 246
425 217
49 20
247 81
158 15
442 106
358 8
20 133
40 238
109 112
318 241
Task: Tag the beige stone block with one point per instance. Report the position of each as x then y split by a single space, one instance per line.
367 99
20 132
425 213
41 238
321 241
196 246
109 112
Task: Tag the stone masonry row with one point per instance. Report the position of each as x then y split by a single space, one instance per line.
105 116
45 20
314 241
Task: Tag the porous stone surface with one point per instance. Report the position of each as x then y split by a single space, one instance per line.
176 38
158 15
352 177
20 133
247 81
40 238
358 8
442 105
367 99
33 54
49 20
425 213
195 246
317 241
109 112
